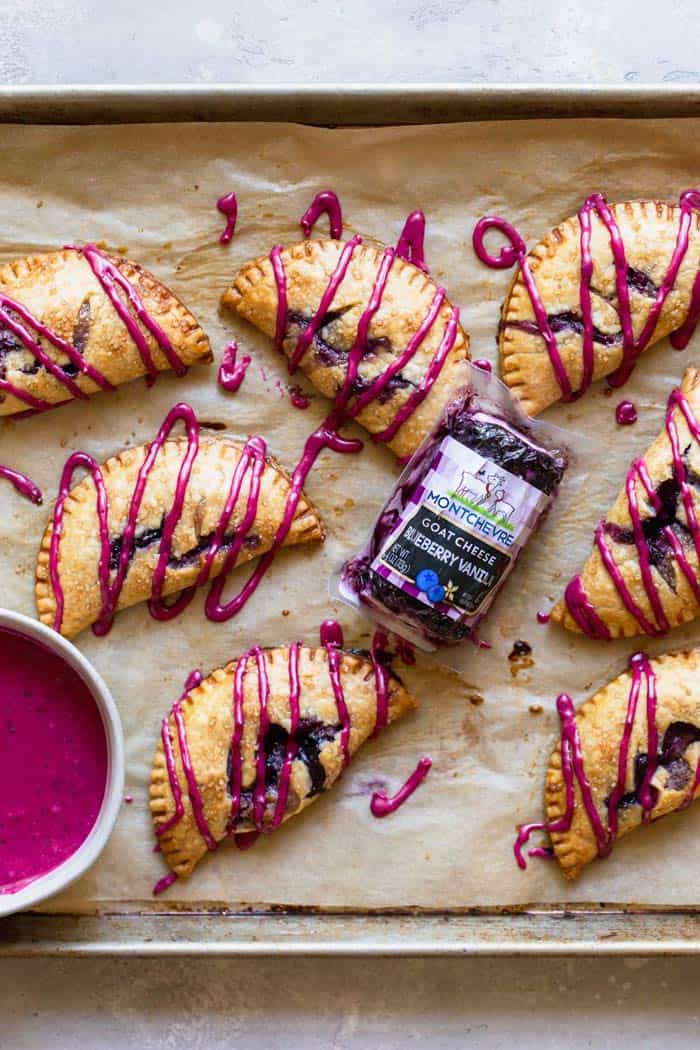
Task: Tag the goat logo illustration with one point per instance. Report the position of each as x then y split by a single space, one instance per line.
487 491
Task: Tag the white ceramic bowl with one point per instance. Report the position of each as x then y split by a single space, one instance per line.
86 855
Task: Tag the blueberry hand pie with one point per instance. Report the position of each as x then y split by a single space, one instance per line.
76 321
258 740
371 331
595 293
643 575
159 520
627 757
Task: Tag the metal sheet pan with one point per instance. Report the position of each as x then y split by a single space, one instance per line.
340 104
609 928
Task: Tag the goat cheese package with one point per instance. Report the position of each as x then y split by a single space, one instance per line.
461 513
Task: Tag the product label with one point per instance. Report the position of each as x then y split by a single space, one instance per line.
458 536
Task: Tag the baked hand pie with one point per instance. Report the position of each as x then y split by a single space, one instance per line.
76 321
643 575
371 331
595 293
627 757
259 740
159 520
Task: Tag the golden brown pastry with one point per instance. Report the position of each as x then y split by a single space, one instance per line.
643 575
604 285
263 737
645 722
327 302
231 505
75 321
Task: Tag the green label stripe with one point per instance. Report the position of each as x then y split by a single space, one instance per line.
480 510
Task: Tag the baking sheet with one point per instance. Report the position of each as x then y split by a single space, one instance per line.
152 190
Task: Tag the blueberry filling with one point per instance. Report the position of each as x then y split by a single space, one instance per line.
659 546
642 283
141 541
148 537
325 351
11 343
329 353
567 321
81 329
397 382
311 737
677 739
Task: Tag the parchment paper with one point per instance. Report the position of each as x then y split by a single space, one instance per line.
152 191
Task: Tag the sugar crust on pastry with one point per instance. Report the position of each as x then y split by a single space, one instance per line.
207 712
407 298
649 230
60 290
205 497
600 722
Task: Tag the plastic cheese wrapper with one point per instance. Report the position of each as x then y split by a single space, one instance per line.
455 523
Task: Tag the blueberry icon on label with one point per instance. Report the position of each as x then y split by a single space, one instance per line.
426 579
436 593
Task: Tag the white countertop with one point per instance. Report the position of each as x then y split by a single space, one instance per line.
340 1003
280 40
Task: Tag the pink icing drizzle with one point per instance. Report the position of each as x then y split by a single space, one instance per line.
574 772
324 203
228 206
252 459
482 363
411 243
626 413
193 680
30 331
575 596
298 398
516 251
164 884
331 636
358 350
231 371
113 282
24 485
381 805
326 436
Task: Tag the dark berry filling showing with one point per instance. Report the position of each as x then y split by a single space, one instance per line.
570 321
145 539
567 321
12 344
677 739
328 352
81 329
660 550
361 383
311 737
642 283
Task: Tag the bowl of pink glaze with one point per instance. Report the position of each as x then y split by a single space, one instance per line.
61 763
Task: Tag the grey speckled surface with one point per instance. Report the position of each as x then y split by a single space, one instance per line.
278 40
347 1003
382 1005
